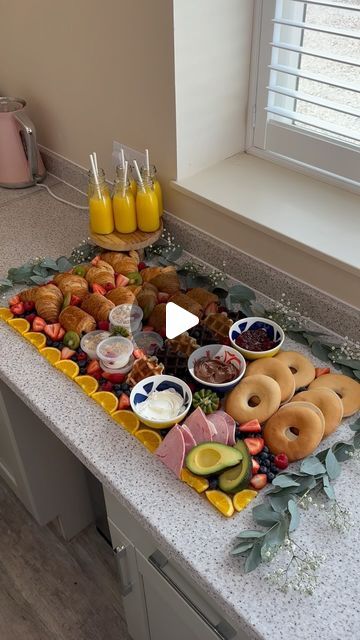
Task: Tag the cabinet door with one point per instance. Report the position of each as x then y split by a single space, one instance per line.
10 464
129 584
175 609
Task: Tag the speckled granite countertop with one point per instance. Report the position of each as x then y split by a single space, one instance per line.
185 526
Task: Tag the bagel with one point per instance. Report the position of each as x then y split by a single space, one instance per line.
264 388
329 404
347 389
276 370
314 408
302 369
279 431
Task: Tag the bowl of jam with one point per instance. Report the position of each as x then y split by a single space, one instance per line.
217 367
256 337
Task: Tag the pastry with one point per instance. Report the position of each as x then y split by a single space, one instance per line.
147 298
101 264
29 295
73 284
295 430
347 389
218 323
203 297
183 344
121 262
183 300
143 368
257 396
157 318
48 302
121 295
302 369
329 404
98 275
97 306
166 280
75 319
276 370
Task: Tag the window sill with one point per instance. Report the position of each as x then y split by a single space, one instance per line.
319 218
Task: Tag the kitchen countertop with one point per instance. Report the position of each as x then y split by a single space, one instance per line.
186 527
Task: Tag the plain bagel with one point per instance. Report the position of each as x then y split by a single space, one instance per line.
262 387
302 369
295 430
329 404
276 370
347 389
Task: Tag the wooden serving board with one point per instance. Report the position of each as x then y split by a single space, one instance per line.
126 241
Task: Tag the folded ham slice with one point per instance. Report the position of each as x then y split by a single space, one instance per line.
231 424
199 427
221 427
172 450
188 438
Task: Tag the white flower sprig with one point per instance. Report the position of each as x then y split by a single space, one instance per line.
288 314
299 573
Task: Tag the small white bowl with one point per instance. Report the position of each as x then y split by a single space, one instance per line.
103 352
273 330
224 354
90 341
128 316
145 387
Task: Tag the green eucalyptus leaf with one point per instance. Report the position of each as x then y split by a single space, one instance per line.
355 426
63 264
38 279
264 515
294 515
20 275
310 338
320 351
280 502
347 371
284 480
5 282
258 309
242 292
305 483
276 535
240 549
342 450
49 263
312 466
328 489
250 533
246 308
297 337
347 362
163 261
196 281
221 293
254 558
357 440
332 466
40 271
357 374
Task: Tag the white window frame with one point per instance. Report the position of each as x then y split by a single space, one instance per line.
331 161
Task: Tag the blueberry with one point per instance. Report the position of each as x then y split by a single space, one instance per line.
74 358
117 387
56 344
272 457
117 392
49 342
266 462
126 386
263 469
102 381
266 450
270 476
213 483
263 455
274 469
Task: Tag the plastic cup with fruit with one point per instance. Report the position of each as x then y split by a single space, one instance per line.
114 352
148 341
128 316
90 341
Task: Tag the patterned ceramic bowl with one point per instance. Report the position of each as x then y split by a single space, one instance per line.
273 330
223 354
144 388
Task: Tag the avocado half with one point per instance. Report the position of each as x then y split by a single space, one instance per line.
208 458
238 477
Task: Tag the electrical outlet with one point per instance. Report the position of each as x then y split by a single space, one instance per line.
130 154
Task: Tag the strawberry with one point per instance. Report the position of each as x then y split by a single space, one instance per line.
142 266
93 367
66 353
52 330
255 466
103 325
82 356
38 324
253 426
97 288
163 297
17 309
281 461
75 301
107 386
109 286
60 334
124 401
29 306
121 281
210 308
139 353
255 445
31 317
95 261
115 378
148 328
14 300
97 374
321 371
259 481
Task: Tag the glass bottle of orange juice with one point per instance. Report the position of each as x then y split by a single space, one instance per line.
147 206
120 173
124 205
152 174
100 205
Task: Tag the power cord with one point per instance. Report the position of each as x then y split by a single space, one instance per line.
72 204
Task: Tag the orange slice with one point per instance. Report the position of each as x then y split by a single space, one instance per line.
5 314
107 400
126 419
243 498
51 354
221 501
19 324
149 438
37 339
88 384
70 368
195 482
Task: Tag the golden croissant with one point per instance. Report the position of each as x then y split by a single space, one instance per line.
71 283
147 299
75 319
202 296
29 295
121 262
157 318
97 306
187 303
48 302
121 295
98 275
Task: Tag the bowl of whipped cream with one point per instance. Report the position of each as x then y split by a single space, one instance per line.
161 401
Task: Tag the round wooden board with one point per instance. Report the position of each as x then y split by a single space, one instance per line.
126 241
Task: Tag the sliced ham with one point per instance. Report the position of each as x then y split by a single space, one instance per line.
231 424
188 438
172 450
199 427
221 427
212 428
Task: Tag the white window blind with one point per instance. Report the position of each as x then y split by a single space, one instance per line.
306 98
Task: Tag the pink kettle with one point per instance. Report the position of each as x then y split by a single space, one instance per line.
20 161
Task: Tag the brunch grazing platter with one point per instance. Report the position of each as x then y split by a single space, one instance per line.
223 406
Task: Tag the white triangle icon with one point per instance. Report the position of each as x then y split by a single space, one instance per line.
178 320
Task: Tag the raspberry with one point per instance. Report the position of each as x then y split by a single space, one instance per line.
281 461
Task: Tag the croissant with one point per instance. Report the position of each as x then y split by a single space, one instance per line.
147 298
121 295
101 264
29 295
157 318
202 296
167 280
187 303
75 319
121 262
70 283
48 302
101 276
97 306
149 273
135 288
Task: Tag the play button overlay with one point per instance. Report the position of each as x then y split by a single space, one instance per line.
178 320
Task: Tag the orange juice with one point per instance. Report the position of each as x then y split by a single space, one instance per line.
133 186
147 208
158 192
101 214
152 174
124 209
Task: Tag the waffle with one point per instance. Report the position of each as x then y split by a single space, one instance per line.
203 335
143 368
183 344
175 363
218 323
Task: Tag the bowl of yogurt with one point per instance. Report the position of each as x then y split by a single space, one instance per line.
161 401
128 316
216 366
114 352
90 341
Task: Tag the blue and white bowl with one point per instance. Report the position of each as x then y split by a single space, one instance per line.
273 330
224 354
145 387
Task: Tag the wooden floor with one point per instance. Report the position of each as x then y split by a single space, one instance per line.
51 589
